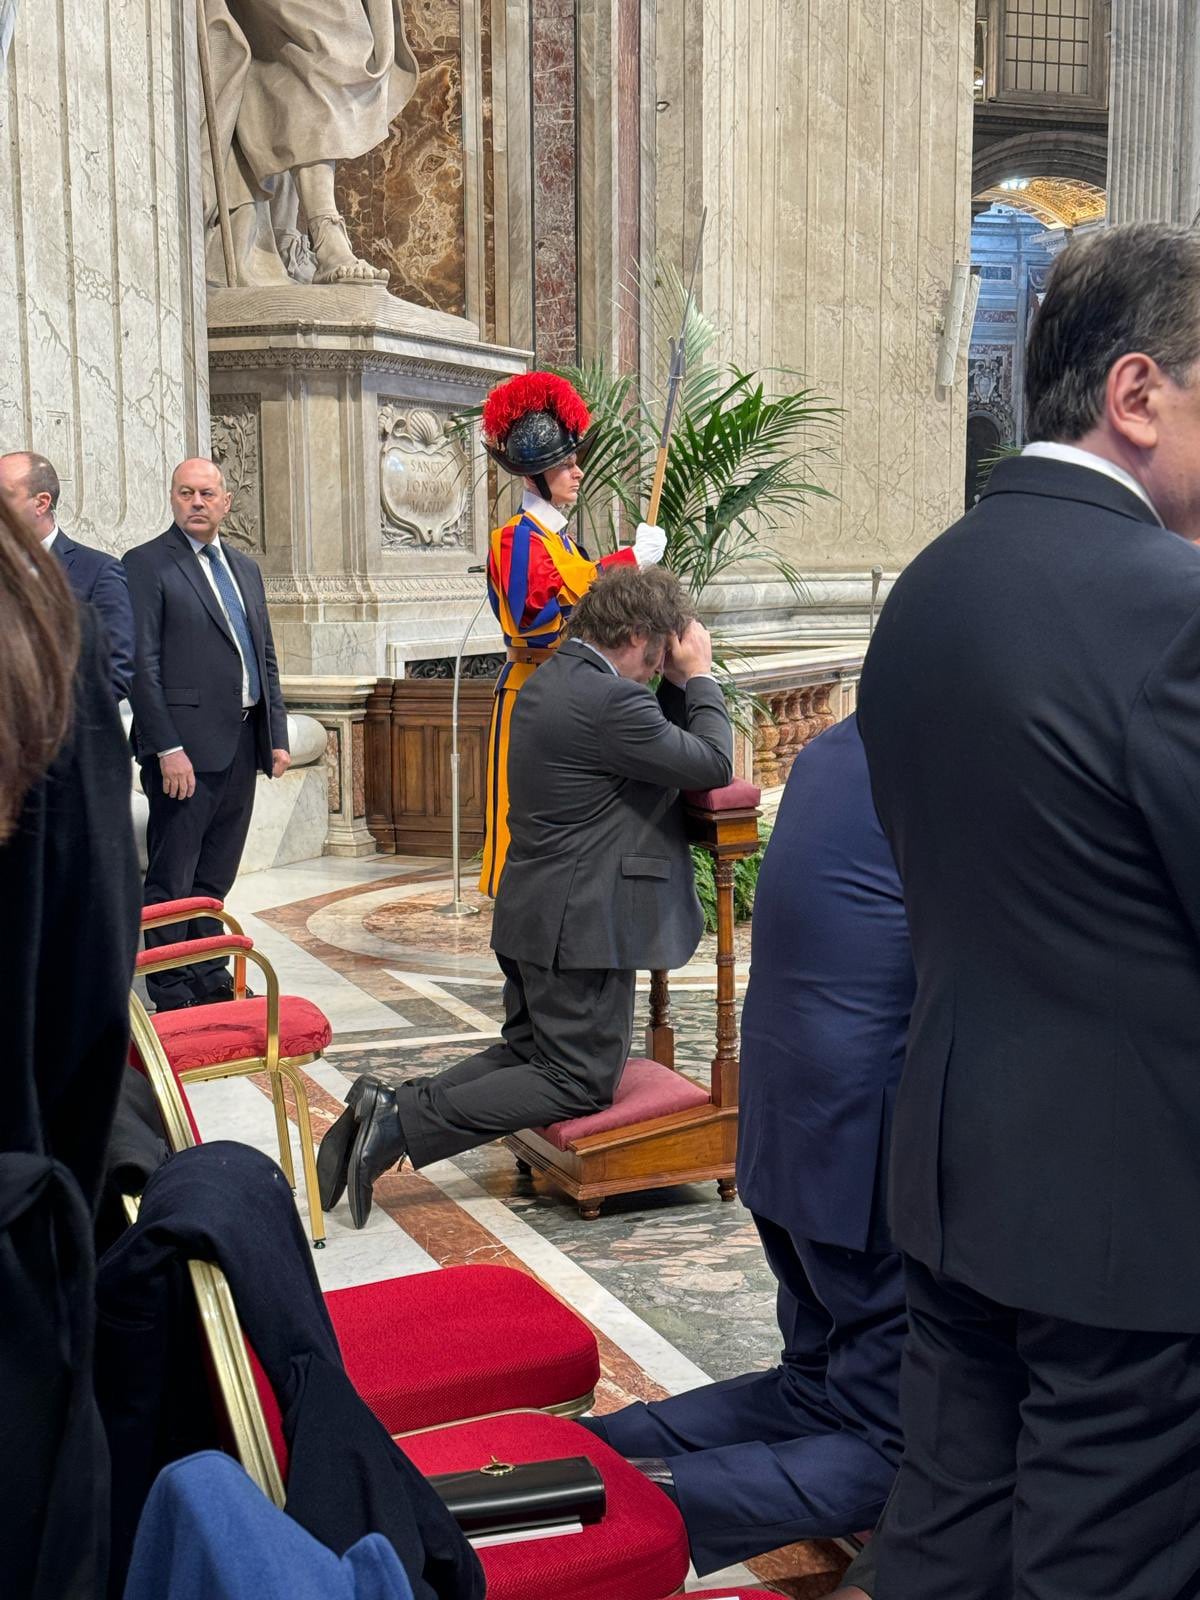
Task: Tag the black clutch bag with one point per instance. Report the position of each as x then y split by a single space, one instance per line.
500 1498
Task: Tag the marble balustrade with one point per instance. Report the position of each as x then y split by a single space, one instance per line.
793 698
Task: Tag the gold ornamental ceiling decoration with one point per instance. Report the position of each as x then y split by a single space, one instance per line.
1057 202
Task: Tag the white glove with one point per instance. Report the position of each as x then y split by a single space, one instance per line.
649 544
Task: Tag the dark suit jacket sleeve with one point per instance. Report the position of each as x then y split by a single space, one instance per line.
156 729
110 596
639 741
1162 754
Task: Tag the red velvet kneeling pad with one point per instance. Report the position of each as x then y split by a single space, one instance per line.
647 1089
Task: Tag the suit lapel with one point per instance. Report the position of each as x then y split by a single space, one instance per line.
64 549
189 564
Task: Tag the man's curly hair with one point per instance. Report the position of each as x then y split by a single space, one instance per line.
625 601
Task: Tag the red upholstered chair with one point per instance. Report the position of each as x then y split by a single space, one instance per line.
272 1033
638 1552
662 1128
432 1347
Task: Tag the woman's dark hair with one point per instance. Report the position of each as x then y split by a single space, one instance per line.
628 600
39 648
1124 289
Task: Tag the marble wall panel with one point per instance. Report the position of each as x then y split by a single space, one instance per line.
403 201
102 341
831 142
554 155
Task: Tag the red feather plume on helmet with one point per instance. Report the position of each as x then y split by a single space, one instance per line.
533 391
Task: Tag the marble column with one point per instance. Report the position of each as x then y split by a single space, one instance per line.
831 143
1154 116
103 362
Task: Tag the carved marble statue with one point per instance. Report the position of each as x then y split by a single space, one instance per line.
296 86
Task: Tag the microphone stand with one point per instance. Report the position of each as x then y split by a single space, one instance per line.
458 906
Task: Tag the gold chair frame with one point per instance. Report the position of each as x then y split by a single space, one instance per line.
214 1299
279 1069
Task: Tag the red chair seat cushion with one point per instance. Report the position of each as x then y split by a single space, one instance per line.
462 1342
647 1089
638 1552
208 1036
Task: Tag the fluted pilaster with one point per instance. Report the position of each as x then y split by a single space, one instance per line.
1154 122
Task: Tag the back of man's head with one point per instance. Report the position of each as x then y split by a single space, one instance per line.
624 601
37 473
1120 290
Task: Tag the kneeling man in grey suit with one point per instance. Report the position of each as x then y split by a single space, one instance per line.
598 883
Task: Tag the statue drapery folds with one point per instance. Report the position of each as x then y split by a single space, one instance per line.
297 86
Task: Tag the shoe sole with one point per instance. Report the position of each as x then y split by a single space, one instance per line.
365 1111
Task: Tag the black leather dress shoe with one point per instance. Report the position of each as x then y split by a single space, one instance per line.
378 1145
333 1156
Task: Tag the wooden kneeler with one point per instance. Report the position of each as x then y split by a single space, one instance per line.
620 1150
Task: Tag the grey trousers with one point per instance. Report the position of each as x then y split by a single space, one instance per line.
563 1047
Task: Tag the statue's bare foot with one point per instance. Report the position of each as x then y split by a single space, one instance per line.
336 261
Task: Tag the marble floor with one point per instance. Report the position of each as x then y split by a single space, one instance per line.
673 1281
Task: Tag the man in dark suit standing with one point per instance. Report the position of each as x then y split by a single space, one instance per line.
598 883
1030 708
30 488
208 714
809 1448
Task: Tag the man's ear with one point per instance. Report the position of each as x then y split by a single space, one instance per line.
1132 399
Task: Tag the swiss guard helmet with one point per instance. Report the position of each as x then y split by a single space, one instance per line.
534 422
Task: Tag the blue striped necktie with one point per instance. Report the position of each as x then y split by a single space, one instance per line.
236 612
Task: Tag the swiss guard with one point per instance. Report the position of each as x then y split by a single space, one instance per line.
537 427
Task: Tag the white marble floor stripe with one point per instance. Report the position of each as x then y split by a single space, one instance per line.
352 1046
233 1108
348 1007
431 990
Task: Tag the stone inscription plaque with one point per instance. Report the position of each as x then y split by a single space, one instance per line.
424 481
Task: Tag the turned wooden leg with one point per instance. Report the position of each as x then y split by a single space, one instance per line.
589 1210
727 1188
524 1168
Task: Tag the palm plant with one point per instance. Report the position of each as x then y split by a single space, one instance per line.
740 462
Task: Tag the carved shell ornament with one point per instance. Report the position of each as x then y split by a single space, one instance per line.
424 479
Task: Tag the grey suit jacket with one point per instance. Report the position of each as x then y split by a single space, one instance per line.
598 873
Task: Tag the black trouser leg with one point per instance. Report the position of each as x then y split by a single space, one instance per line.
565 1046
1044 1459
194 847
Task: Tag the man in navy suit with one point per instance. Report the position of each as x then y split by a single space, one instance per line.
29 486
810 1447
208 714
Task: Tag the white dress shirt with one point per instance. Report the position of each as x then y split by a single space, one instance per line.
1088 458
48 541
